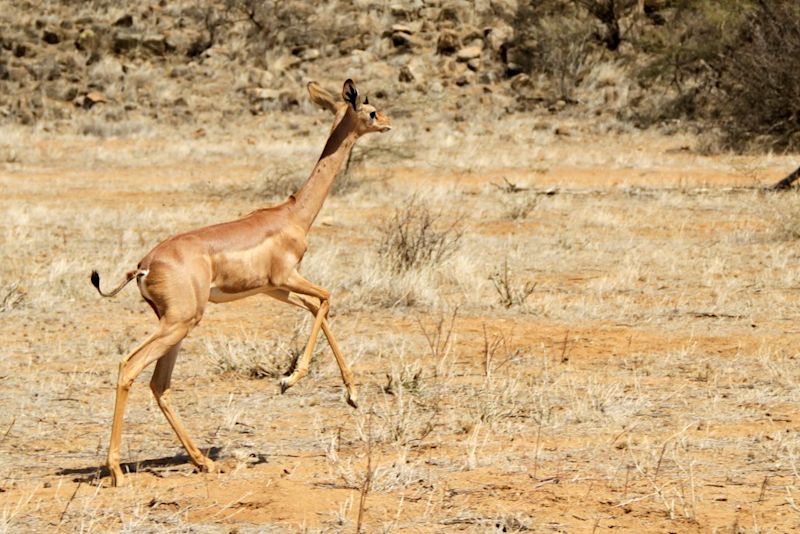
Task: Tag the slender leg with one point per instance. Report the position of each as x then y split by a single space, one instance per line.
300 285
154 348
313 307
159 384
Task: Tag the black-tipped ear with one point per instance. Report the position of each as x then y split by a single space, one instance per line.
366 100
95 278
350 94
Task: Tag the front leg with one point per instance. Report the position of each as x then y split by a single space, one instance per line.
310 304
297 284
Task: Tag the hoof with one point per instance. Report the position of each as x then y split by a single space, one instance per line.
208 467
117 478
285 384
351 400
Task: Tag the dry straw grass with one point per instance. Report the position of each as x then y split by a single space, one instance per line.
649 375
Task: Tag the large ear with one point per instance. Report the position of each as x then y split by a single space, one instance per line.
350 94
321 97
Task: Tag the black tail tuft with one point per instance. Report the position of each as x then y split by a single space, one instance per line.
96 280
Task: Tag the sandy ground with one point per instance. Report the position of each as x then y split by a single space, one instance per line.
647 384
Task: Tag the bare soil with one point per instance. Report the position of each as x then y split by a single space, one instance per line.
648 384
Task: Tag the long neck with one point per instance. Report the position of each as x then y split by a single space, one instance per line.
310 197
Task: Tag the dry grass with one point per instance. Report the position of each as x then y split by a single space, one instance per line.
648 377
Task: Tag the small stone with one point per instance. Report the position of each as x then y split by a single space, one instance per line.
125 41
402 39
155 43
69 94
286 62
401 28
447 43
462 80
91 98
449 14
310 54
51 37
399 11
125 21
406 76
474 64
469 52
257 94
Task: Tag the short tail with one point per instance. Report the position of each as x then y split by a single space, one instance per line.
128 277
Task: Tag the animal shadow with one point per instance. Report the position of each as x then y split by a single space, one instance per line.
93 474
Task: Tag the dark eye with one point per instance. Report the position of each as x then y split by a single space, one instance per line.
372 114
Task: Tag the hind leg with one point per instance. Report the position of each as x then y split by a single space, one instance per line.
158 345
159 384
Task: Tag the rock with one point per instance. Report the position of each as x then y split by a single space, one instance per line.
51 37
20 50
462 80
258 94
90 99
521 82
449 14
310 54
498 35
352 43
125 21
469 52
400 11
402 39
402 28
125 41
474 64
285 62
179 71
69 94
406 76
447 43
155 43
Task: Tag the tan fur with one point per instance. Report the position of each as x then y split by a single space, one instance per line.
257 254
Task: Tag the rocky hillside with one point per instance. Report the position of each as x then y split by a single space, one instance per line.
98 64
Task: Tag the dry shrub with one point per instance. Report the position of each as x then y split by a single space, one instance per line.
416 237
761 79
511 291
252 357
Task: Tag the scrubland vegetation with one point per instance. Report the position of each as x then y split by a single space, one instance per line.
569 303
